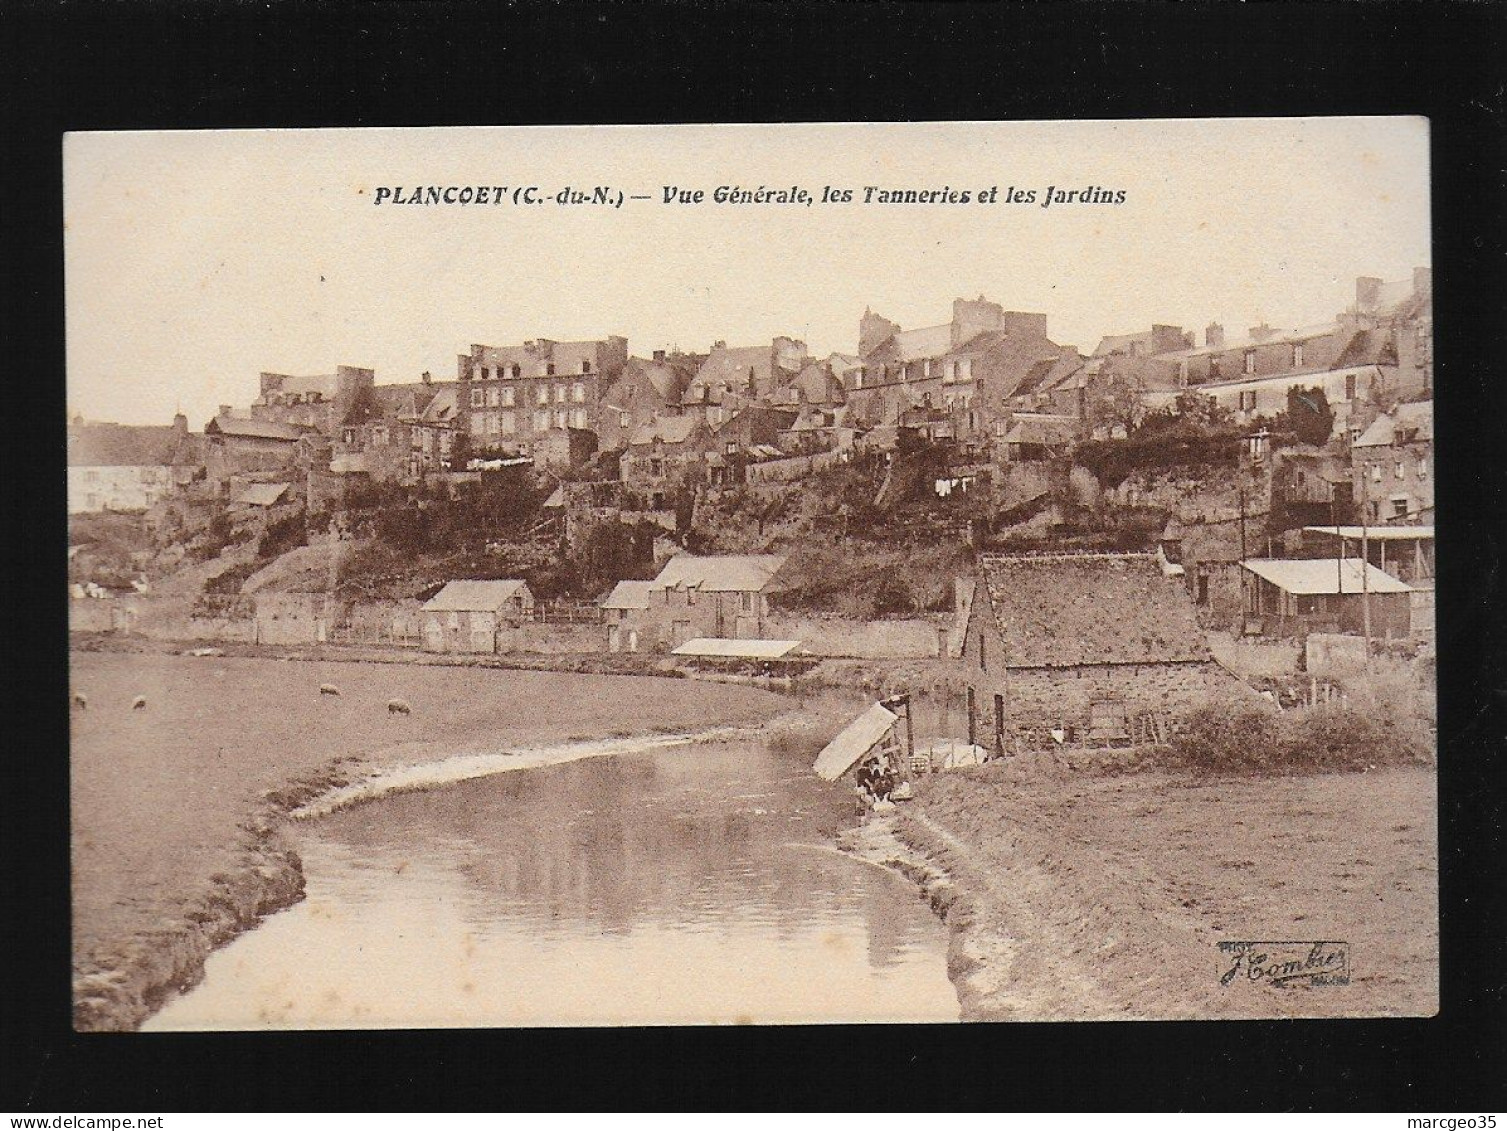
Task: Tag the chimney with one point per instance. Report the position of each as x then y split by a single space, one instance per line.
659 357
1262 333
1214 335
180 424
1367 293
224 411
1423 280
719 344
427 377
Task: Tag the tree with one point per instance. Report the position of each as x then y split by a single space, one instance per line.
1114 400
1308 416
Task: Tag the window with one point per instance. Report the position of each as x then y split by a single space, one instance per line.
1299 477
561 392
623 419
348 435
559 418
1250 361
549 369
1297 355
507 396
1423 469
541 394
91 476
1398 470
1248 400
492 423
690 596
92 502
507 423
478 398
379 435
481 373
1399 508
578 418
1350 386
541 420
517 370
745 602
578 393
965 369
586 365
493 394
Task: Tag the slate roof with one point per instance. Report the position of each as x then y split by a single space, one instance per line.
130 445
628 595
260 494
721 573
1310 576
925 341
257 429
475 596
1061 610
668 430
1415 415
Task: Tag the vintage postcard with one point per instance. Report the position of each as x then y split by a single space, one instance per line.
751 574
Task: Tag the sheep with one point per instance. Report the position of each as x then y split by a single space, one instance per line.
139 703
328 689
81 701
398 707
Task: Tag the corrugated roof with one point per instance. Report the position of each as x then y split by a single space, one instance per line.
1314 576
260 494
736 649
1376 533
629 595
853 742
722 573
1061 610
475 596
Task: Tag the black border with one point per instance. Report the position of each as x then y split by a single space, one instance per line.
177 64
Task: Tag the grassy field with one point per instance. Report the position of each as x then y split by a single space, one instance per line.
158 794
1104 897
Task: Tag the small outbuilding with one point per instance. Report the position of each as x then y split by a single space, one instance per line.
476 616
1326 595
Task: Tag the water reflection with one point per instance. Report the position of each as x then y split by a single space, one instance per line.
680 886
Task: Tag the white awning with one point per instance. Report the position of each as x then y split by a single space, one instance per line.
737 649
856 739
1313 576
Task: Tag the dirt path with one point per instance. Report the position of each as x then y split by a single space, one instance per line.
1077 897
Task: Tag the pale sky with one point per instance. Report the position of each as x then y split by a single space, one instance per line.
196 260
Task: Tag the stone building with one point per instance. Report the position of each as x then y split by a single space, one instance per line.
645 391
511 397
1393 466
321 402
476 616
1082 648
122 467
724 595
664 456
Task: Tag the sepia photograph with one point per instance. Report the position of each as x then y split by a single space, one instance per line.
783 574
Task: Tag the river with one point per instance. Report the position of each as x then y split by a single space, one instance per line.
687 885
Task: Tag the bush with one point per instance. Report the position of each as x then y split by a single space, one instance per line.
1248 739
892 597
